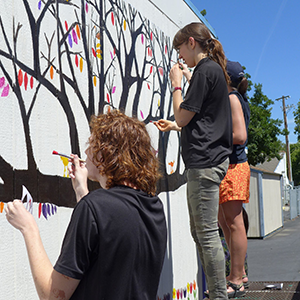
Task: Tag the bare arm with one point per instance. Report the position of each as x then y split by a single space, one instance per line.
49 283
166 125
182 116
239 131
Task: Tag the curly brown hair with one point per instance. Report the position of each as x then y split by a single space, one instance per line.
122 151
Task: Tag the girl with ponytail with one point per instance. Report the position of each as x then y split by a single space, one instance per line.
204 118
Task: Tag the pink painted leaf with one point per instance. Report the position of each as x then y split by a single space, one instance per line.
113 90
86 8
2 82
5 91
161 71
142 115
74 36
111 55
142 38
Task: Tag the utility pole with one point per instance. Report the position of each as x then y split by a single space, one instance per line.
286 136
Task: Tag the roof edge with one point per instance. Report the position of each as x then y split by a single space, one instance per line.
201 17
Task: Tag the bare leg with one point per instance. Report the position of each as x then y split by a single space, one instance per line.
232 223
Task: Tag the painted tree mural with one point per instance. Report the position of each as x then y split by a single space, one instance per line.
95 56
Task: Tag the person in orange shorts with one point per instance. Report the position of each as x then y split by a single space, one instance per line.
234 189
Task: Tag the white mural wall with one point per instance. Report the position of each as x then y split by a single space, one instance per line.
60 63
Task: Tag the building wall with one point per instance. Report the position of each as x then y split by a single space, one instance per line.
60 63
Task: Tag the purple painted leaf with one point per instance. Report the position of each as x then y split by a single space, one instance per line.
48 209
74 36
70 40
52 208
111 55
142 38
113 90
86 8
5 91
55 209
44 210
39 5
142 114
2 82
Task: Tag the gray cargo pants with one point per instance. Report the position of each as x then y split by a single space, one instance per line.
203 204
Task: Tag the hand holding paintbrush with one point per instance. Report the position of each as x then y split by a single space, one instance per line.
67 156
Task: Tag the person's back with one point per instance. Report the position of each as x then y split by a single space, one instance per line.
126 243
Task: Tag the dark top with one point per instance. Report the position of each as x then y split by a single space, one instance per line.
238 154
207 139
115 244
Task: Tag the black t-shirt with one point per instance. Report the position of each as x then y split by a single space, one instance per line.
115 244
207 139
238 154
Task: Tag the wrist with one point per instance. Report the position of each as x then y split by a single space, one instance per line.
175 88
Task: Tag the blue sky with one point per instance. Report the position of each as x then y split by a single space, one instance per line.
264 37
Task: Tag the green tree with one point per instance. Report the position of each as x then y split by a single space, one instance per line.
295 159
203 12
263 132
297 121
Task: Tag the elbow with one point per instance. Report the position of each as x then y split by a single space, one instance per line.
181 123
239 139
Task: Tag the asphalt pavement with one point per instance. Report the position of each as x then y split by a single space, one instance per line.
276 257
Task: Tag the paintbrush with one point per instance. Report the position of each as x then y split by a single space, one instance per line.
67 156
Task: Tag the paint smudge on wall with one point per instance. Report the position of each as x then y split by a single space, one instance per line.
65 162
171 163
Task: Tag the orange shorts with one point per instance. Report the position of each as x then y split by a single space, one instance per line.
236 184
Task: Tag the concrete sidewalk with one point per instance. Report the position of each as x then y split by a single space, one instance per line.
277 257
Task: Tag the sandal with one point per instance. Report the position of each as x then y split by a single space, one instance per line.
236 290
246 284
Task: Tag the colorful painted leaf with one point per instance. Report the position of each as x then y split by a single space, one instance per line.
1 207
107 96
74 36
114 51
112 18
70 40
111 55
151 69
48 209
95 80
66 25
94 52
81 64
142 38
99 51
39 5
52 208
76 60
44 210
51 72
99 55
40 209
31 82
98 35
194 285
158 103
166 49
86 8
113 90
78 31
5 91
142 115
161 71
25 81
2 82
55 209
151 35
148 85
20 77
98 45
124 24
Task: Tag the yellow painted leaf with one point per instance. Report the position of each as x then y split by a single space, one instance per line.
124 24
95 81
99 55
81 64
158 104
98 45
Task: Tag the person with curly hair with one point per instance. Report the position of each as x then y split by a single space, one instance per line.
115 243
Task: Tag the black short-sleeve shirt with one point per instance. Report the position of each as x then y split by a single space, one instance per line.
207 139
115 244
